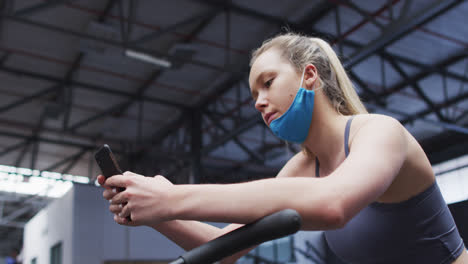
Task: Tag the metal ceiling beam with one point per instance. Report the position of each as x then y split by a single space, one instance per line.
196 137
48 140
445 125
156 34
423 113
461 117
401 28
15 214
196 144
57 132
13 224
14 147
67 89
29 98
419 91
245 124
423 74
368 92
280 21
120 108
253 155
364 13
31 10
7 197
88 86
20 157
203 104
317 13
75 160
66 160
262 149
35 133
407 61
113 43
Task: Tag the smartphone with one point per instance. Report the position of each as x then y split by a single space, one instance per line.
108 164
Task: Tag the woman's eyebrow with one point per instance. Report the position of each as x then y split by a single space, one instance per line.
261 75
252 86
258 78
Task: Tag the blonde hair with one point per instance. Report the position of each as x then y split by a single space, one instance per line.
300 51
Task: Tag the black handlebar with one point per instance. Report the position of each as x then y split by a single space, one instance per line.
270 227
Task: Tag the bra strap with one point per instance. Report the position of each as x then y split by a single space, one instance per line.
346 136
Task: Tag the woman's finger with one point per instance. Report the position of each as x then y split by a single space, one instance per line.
102 181
108 194
115 208
120 198
123 221
119 220
118 181
125 211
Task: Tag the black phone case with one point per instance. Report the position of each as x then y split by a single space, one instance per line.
107 162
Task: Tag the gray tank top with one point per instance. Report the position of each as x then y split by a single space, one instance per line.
418 230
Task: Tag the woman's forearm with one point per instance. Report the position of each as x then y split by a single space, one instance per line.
247 202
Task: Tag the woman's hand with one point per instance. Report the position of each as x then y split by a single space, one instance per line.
145 199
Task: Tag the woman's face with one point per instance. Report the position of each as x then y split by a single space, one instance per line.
273 83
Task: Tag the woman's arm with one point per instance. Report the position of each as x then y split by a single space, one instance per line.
378 152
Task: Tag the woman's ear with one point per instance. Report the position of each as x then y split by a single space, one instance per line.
310 77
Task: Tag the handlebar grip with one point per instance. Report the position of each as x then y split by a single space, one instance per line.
276 225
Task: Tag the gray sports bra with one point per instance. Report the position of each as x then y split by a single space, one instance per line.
418 230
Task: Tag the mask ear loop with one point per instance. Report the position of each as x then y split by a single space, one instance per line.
302 78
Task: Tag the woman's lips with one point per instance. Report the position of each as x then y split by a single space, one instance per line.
270 117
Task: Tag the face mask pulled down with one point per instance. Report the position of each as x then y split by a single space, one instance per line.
293 126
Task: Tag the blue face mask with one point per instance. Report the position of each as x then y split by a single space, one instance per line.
293 126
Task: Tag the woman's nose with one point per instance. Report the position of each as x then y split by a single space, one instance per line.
261 103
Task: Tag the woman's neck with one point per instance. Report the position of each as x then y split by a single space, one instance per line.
326 135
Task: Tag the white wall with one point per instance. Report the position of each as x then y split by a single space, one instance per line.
51 225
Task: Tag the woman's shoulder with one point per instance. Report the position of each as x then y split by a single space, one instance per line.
375 123
374 119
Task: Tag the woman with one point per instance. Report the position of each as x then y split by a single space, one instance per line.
372 190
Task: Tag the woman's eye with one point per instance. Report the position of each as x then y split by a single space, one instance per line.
268 83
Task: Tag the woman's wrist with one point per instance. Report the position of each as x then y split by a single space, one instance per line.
177 198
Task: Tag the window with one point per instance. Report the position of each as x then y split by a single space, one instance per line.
56 254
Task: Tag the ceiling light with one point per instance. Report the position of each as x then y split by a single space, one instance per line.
147 58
